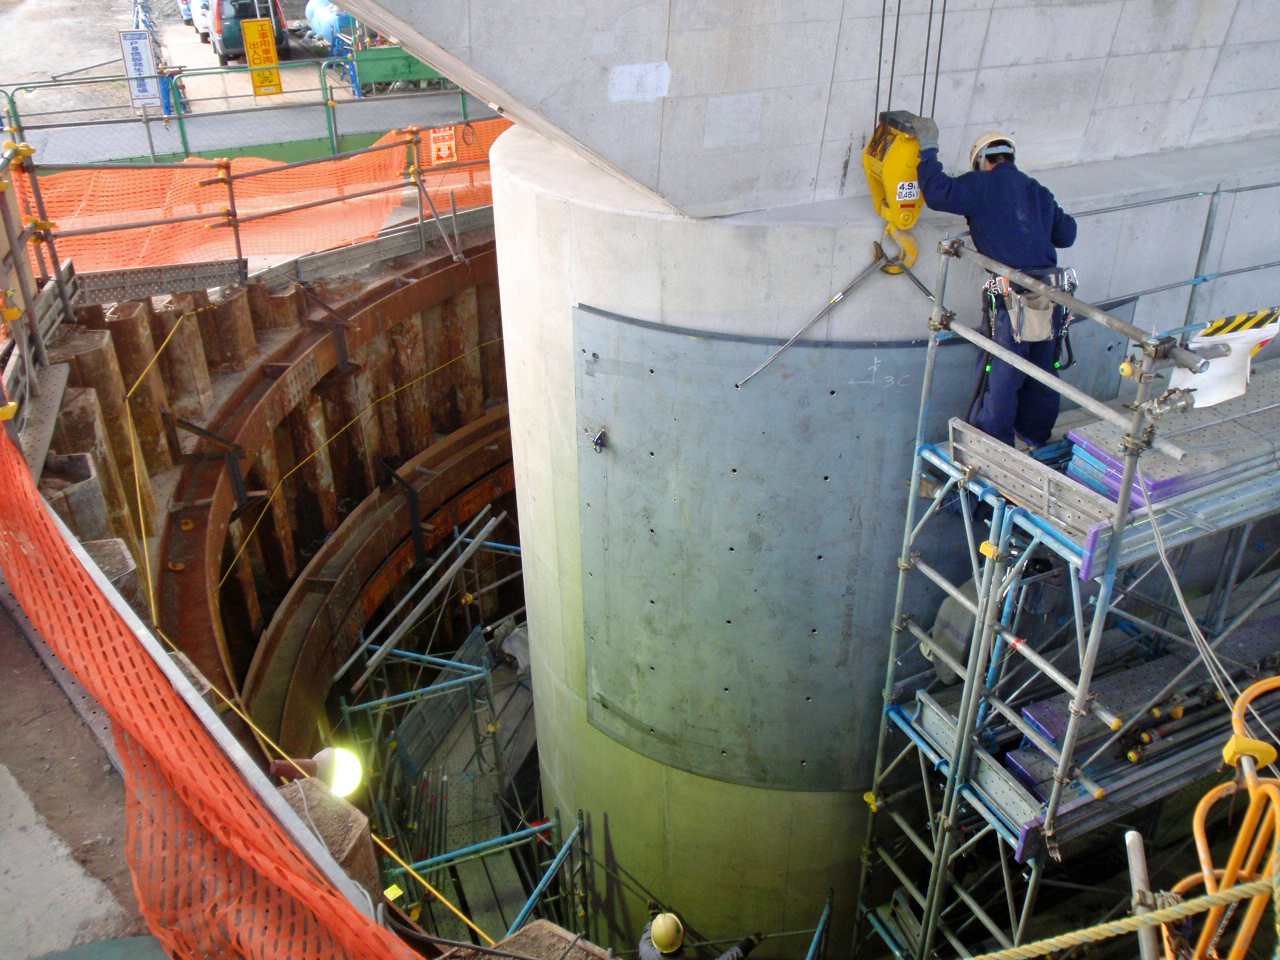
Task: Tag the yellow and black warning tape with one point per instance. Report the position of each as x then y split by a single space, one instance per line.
1241 321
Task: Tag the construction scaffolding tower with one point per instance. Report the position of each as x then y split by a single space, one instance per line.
1031 724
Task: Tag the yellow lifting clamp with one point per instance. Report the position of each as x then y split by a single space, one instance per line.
8 411
890 159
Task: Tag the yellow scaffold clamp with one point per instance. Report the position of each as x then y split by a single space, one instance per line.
1239 746
23 150
890 159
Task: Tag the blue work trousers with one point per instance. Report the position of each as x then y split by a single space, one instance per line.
1014 403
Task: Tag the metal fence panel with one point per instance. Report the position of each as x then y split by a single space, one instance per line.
380 114
103 140
285 123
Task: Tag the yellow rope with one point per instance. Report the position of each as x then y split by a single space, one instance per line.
273 747
159 350
346 426
142 513
1117 928
270 745
134 446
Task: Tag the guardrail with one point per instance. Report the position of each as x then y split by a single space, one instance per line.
210 111
32 389
231 209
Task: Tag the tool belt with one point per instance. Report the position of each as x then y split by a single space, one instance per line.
1031 314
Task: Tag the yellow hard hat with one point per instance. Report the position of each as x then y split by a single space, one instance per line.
982 147
667 933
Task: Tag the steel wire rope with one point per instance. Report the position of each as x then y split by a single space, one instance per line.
343 429
924 65
893 62
937 63
875 114
1218 673
233 704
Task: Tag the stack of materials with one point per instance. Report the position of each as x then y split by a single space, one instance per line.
1175 741
1234 439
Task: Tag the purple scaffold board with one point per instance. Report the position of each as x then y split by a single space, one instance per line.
1220 442
1035 771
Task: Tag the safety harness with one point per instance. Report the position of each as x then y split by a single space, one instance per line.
1030 316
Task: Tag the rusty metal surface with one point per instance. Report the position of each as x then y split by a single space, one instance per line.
191 560
334 579
333 634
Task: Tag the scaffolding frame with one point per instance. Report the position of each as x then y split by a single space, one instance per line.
979 799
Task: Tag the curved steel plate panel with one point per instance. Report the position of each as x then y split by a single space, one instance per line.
739 546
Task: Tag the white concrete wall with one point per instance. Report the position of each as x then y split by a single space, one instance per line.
723 106
735 858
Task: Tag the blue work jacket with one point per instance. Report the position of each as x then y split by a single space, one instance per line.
1012 218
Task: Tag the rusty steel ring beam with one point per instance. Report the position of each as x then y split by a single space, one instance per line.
191 553
318 623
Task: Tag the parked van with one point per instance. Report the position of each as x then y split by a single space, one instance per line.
200 18
225 32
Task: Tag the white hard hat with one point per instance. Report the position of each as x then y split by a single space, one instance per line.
988 144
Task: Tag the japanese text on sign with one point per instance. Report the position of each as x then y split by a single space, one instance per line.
260 55
444 148
140 68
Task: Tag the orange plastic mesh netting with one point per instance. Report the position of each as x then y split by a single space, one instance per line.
86 199
215 873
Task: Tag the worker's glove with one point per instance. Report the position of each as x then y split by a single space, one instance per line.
926 133
655 908
749 944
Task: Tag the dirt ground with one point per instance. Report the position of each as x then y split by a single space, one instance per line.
59 764
540 940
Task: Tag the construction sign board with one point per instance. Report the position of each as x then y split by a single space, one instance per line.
260 55
140 68
444 147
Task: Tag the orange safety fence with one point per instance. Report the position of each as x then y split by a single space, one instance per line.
103 196
215 874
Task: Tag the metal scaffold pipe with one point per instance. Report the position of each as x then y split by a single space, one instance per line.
1074 394
904 561
1179 355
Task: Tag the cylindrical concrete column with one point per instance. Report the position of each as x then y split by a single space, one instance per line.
709 594
276 534
379 374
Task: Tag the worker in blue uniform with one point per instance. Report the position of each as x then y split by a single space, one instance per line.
1015 220
663 938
